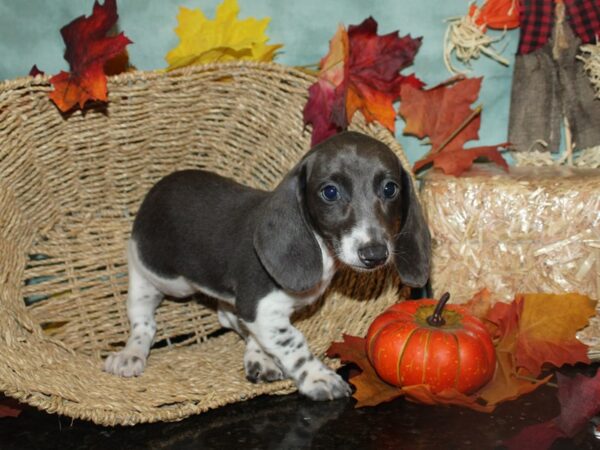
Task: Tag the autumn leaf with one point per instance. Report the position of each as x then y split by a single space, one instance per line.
374 65
118 64
88 48
35 71
480 304
325 108
547 327
9 407
497 14
509 382
370 389
437 112
533 331
444 115
226 38
360 73
455 162
579 399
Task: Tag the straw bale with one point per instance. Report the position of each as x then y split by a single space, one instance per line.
530 230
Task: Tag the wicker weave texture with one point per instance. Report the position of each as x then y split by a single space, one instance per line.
69 189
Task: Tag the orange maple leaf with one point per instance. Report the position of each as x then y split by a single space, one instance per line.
370 389
437 112
497 14
547 326
88 48
443 113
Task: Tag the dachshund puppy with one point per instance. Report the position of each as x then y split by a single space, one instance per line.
264 255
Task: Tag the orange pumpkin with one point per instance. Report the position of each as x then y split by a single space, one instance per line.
420 342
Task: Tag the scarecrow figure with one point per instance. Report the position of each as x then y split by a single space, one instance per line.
550 86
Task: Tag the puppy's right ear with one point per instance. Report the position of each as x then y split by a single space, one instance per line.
413 244
284 240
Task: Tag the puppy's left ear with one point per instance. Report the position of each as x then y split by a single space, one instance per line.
284 240
413 244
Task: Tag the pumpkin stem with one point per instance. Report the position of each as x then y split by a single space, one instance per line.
436 319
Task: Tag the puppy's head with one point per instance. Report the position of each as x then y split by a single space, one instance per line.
352 192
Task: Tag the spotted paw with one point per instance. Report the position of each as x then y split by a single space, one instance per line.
125 363
323 384
260 367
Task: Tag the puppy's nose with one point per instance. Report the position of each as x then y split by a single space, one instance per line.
373 255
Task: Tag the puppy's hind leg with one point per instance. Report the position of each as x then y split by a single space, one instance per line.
142 300
259 366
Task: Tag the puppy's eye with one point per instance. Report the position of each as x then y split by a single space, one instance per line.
330 193
390 190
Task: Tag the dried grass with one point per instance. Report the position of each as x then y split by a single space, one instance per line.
532 230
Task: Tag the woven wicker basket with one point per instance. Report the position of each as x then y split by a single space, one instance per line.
69 188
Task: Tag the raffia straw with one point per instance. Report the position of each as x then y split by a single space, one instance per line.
590 55
585 158
529 230
468 41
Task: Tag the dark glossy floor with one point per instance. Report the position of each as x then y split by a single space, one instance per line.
292 422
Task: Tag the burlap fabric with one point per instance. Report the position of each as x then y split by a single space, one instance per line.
69 189
550 86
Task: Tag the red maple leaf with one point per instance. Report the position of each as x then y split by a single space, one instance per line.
360 72
88 48
579 399
327 97
443 113
35 71
374 65
9 407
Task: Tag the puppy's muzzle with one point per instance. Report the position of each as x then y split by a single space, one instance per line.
373 255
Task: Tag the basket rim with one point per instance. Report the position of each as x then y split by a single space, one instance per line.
137 74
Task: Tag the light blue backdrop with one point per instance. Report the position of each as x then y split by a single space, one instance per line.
29 34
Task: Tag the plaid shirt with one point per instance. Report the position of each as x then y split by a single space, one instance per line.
537 20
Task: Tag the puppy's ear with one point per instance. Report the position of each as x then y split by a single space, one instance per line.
413 244
284 240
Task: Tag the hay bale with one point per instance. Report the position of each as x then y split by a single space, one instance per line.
531 230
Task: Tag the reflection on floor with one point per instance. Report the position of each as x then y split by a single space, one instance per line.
293 422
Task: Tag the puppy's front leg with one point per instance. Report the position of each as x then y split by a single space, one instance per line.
287 346
258 365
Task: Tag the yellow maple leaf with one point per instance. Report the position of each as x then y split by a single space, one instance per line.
223 39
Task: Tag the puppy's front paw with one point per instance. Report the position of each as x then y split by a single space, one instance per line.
125 363
323 384
260 367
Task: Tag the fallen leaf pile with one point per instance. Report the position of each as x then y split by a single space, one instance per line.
88 49
226 38
443 113
361 72
534 332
